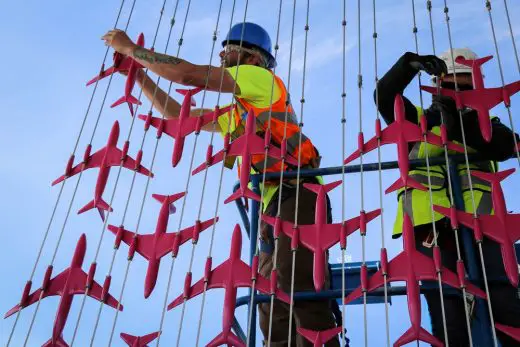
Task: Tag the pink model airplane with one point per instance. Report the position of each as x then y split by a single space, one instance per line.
502 227
155 246
320 236
139 341
128 65
480 99
319 338
230 275
70 282
411 266
185 124
103 159
402 132
246 146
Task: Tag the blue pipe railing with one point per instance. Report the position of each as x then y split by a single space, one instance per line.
481 330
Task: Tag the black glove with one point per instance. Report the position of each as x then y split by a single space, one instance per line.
428 63
444 106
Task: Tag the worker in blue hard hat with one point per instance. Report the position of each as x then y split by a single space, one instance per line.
416 203
246 61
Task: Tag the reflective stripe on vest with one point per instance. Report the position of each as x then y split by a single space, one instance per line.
416 203
280 111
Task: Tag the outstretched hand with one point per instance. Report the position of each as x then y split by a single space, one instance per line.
119 41
430 64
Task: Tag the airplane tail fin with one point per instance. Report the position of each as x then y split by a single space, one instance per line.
129 99
100 204
470 62
192 91
327 187
493 177
170 199
410 183
242 193
229 339
418 335
60 342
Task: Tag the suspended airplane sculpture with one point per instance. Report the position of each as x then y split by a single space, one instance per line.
246 146
502 227
104 159
155 246
139 341
319 338
402 132
230 275
320 236
480 99
185 124
72 281
411 266
130 67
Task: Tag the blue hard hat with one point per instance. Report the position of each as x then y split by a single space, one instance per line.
254 36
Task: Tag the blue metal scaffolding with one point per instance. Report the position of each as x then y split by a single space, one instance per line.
481 329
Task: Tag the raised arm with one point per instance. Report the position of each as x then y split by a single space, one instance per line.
399 77
172 68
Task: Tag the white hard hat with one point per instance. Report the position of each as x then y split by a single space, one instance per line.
466 53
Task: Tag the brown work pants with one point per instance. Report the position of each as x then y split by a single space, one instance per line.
314 315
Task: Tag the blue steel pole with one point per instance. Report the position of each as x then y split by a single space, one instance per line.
481 325
253 236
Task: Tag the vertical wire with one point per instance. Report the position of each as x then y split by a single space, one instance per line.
219 189
501 70
260 210
33 319
280 186
380 174
361 180
430 192
343 155
130 191
296 209
512 35
450 188
62 186
484 272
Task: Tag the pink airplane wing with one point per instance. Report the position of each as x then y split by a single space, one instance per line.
169 125
166 242
94 161
215 281
121 63
55 287
488 224
96 291
218 157
144 242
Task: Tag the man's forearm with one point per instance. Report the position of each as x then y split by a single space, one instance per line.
161 99
163 65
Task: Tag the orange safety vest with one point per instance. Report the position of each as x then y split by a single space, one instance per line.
278 114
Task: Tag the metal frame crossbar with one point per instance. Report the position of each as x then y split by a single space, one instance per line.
480 331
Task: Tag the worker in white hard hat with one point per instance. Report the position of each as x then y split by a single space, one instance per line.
416 203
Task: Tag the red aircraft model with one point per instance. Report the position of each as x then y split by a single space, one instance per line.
320 236
230 275
139 341
103 159
246 146
480 99
70 282
502 227
319 338
155 246
185 124
130 66
402 132
411 266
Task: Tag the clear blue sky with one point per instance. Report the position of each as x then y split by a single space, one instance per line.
51 49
